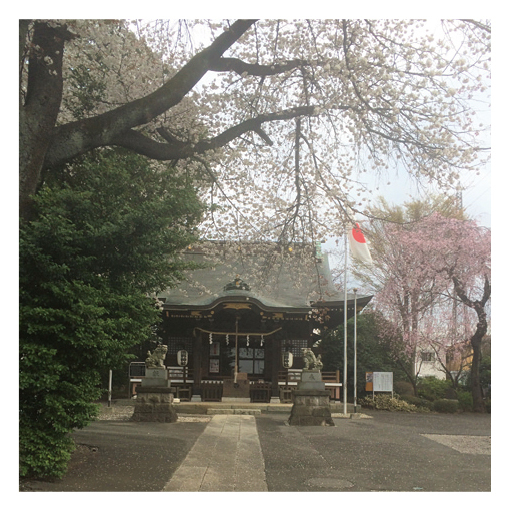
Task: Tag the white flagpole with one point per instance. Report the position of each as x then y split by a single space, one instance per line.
236 350
345 320
355 351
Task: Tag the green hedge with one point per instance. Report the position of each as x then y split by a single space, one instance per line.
403 388
386 402
43 453
446 406
418 402
431 388
466 402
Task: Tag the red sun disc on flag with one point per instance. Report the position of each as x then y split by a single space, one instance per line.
357 234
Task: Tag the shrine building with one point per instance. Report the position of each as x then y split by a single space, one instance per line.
237 317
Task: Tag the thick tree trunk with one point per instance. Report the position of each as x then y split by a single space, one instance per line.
39 110
115 127
42 145
409 369
476 339
477 398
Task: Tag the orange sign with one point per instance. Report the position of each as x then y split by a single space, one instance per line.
369 381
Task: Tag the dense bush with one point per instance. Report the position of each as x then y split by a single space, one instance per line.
102 237
403 388
465 400
446 406
387 402
373 353
45 445
418 402
485 371
431 388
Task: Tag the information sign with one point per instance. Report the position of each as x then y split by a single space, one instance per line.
382 382
369 381
378 382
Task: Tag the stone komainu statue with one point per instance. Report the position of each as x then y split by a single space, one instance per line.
156 359
310 361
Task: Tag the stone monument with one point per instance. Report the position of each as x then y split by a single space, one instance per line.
311 399
154 401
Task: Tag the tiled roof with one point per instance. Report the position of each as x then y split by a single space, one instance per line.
282 278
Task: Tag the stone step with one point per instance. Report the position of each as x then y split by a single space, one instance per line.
233 411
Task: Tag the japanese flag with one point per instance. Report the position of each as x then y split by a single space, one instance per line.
358 246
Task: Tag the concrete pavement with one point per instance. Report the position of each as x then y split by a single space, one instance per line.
391 452
383 452
226 457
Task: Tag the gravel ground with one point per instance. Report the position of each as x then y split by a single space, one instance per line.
124 413
351 416
466 444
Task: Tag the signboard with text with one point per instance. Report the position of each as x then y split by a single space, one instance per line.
382 382
377 381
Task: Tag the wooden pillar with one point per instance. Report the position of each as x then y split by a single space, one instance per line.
275 361
197 355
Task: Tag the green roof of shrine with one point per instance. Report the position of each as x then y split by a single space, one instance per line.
275 278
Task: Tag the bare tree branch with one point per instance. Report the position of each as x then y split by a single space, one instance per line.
477 24
175 149
241 67
78 137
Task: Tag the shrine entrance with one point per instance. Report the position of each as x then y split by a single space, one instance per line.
243 329
239 340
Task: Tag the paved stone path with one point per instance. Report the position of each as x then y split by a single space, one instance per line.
226 457
464 444
385 451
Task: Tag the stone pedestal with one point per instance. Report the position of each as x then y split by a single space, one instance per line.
311 402
311 381
156 377
154 404
154 401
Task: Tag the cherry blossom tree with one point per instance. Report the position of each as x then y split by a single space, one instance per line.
230 102
406 288
445 333
423 272
462 253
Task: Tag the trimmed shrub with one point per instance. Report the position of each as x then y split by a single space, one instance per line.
466 402
418 402
403 388
451 393
43 453
386 402
431 388
446 406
